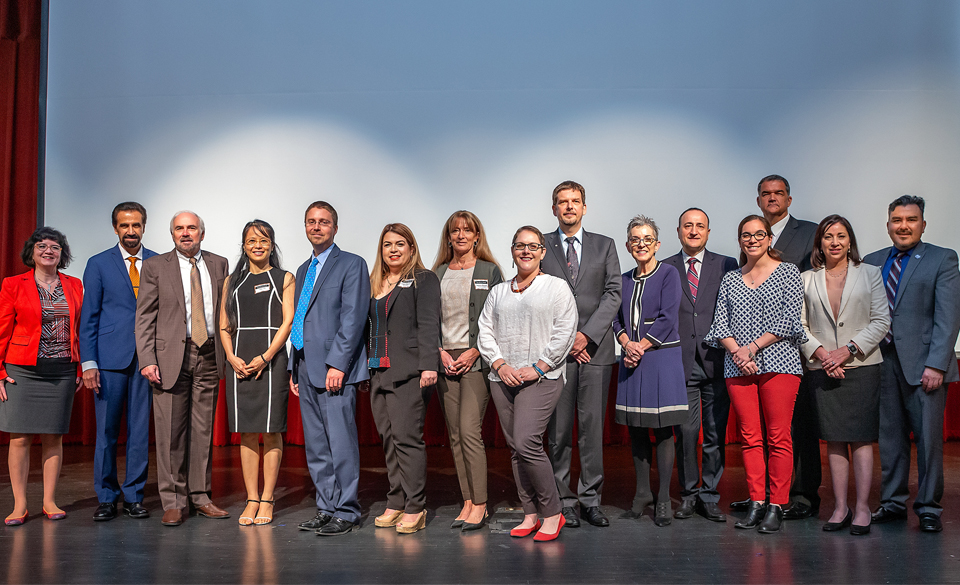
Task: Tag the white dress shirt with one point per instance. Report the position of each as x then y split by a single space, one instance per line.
577 244
777 229
205 283
686 261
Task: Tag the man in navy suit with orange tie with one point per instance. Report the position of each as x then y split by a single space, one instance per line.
110 367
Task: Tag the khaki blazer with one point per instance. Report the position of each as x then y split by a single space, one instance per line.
864 315
161 323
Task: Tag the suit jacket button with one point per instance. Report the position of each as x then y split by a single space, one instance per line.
840 324
471 304
693 336
694 314
388 332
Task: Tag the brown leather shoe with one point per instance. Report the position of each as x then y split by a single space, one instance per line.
212 511
172 517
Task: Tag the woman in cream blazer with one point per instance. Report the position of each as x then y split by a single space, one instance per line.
845 316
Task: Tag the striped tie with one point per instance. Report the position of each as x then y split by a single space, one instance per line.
692 278
893 280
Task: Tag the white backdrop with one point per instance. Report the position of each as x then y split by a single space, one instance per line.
407 111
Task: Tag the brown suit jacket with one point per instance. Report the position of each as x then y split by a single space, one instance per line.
161 323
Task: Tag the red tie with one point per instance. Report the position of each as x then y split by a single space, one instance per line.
692 278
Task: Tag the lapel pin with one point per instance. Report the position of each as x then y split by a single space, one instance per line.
917 256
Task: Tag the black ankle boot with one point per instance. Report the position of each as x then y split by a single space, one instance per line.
772 521
754 516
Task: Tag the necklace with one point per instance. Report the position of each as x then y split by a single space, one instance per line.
841 275
47 285
516 289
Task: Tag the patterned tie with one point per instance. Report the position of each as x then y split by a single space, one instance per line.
296 335
134 275
573 264
893 280
198 318
692 278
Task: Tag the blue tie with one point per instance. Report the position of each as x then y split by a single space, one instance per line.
296 336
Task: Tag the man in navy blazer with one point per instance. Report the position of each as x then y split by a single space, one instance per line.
923 293
328 361
108 352
703 368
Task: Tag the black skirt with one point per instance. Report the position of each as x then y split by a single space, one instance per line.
41 398
848 409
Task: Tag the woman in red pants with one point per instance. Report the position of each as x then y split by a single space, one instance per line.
757 321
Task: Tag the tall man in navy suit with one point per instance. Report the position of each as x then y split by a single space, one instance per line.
703 368
329 360
923 294
110 368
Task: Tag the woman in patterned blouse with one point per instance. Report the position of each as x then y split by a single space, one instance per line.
757 321
39 358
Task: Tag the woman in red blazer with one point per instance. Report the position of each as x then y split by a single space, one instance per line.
39 359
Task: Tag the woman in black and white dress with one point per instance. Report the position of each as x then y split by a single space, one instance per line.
255 321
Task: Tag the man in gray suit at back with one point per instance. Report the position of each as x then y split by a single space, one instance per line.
923 293
589 264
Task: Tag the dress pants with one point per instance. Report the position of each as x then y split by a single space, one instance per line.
399 413
183 417
119 388
807 467
764 407
584 397
711 395
332 447
463 400
524 412
905 408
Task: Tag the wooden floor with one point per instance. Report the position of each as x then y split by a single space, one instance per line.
78 550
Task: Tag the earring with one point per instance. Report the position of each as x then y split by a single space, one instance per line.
449 244
475 243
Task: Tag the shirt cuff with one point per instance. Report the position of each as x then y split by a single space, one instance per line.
91 365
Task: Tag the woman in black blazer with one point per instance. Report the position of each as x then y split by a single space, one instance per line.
404 357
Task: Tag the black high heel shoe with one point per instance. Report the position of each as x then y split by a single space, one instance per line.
754 516
468 526
837 526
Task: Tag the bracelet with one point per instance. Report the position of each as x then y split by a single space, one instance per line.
756 344
265 360
540 372
496 370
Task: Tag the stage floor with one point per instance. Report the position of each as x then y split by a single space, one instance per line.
78 550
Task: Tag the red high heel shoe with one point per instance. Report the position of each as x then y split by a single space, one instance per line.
541 537
57 516
521 532
17 521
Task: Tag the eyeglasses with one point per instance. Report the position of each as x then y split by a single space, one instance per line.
647 241
264 242
43 247
520 247
322 222
759 235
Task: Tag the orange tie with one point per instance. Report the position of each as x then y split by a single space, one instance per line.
134 275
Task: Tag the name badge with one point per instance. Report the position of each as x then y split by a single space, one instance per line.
260 288
481 284
405 283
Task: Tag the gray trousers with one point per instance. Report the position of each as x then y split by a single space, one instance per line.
398 413
584 398
463 400
183 421
905 408
707 399
524 412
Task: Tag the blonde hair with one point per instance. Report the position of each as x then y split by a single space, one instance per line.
445 251
379 271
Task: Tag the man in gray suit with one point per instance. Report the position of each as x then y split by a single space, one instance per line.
329 359
703 369
589 264
923 293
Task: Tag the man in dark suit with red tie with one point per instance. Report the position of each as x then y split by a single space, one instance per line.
703 368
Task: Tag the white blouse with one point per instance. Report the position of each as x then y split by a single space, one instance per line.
521 328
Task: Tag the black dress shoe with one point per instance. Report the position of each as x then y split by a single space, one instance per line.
135 510
741 505
661 516
883 515
685 510
315 523
105 511
469 526
457 524
754 516
593 515
930 523
857 530
711 511
799 511
836 526
772 521
571 518
335 527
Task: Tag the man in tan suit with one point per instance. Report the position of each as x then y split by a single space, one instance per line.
180 354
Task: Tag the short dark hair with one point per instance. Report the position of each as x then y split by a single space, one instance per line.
769 178
129 206
531 229
573 186
46 233
904 200
322 205
817 257
685 211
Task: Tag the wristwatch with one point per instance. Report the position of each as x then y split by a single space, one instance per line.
852 348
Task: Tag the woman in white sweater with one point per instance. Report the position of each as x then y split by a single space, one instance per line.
526 331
